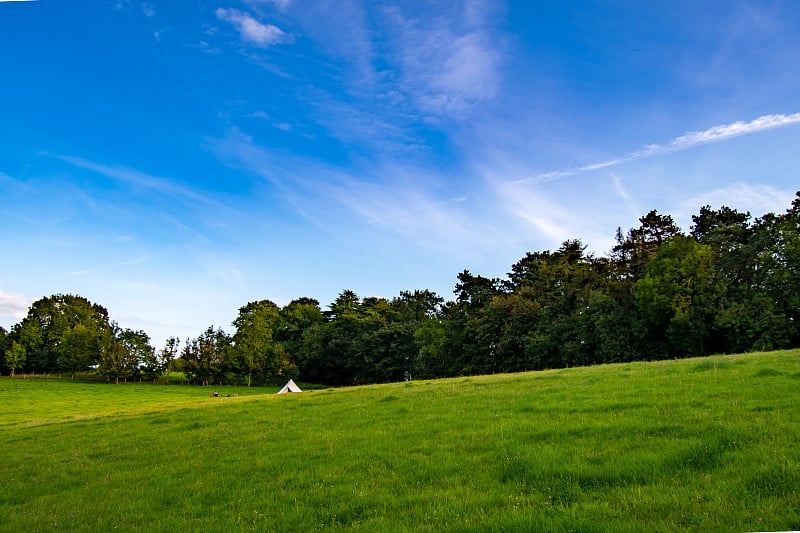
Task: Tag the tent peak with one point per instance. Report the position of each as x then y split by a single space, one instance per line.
290 386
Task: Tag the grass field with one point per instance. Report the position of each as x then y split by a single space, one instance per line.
692 445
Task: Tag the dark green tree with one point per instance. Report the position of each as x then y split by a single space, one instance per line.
433 357
295 318
205 359
633 251
122 356
360 342
724 228
79 347
678 298
63 333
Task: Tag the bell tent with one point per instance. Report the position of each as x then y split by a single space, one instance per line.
291 386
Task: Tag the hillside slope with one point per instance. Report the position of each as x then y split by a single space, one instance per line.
697 444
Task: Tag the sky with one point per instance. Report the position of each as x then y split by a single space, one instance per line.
173 161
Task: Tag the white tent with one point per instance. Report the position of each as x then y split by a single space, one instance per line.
290 387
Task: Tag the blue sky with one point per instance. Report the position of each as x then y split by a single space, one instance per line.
173 161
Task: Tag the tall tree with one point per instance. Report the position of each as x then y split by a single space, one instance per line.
254 346
632 252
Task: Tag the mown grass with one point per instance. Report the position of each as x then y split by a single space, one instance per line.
698 445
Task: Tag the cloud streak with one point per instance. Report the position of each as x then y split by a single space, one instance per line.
684 142
137 179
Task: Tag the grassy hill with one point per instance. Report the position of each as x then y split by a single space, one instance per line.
698 444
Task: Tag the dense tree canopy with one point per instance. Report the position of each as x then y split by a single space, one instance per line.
731 284
63 333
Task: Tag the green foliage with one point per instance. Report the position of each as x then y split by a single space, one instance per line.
15 357
678 297
206 359
432 357
62 333
697 444
254 349
126 355
3 341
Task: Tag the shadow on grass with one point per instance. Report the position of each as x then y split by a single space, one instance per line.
550 471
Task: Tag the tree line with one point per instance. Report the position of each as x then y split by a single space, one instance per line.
731 284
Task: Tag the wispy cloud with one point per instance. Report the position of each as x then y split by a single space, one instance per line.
344 33
623 193
415 214
251 30
148 9
192 212
552 219
683 142
380 128
401 200
136 179
756 198
449 64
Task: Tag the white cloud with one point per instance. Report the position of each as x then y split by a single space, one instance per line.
683 142
13 307
251 30
726 131
148 9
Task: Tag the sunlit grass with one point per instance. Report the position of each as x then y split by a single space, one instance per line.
32 402
703 445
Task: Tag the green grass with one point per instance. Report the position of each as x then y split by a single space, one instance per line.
33 402
691 445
